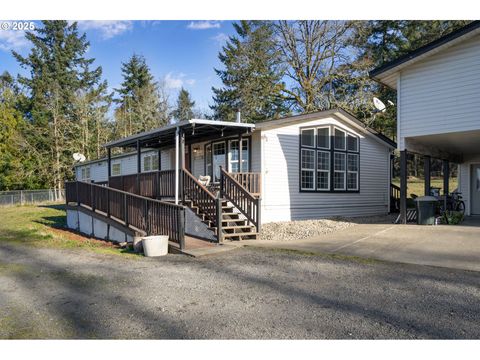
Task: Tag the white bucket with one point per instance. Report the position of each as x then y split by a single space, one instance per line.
155 245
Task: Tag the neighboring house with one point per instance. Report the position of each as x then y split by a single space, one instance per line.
438 107
310 166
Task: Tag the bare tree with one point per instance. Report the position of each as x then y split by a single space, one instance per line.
311 51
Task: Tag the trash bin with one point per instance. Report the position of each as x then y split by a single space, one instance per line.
155 245
426 206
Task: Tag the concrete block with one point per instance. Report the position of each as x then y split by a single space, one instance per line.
100 229
72 219
116 235
85 222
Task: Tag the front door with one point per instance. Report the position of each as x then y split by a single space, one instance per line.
219 159
475 190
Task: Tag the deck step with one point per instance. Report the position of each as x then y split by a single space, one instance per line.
240 236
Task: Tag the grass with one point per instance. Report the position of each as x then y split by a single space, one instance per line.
45 226
416 186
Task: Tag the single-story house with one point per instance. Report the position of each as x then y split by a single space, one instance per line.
310 166
438 107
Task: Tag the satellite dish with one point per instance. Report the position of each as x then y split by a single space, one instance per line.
379 105
79 157
390 102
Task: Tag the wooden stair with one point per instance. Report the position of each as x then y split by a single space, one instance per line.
234 226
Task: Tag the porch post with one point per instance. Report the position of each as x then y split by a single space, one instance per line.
426 174
139 166
403 186
182 164
446 176
239 152
109 161
177 148
159 159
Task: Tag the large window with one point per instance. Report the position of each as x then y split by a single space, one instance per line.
323 170
329 159
308 169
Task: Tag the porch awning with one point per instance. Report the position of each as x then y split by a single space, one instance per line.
195 130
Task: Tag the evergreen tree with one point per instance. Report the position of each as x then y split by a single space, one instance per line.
252 77
141 103
58 71
18 161
184 108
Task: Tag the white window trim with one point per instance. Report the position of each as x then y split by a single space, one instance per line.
120 172
307 169
83 173
340 171
344 137
145 158
316 137
208 160
353 172
153 161
230 161
324 171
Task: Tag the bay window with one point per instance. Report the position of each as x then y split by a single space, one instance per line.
329 160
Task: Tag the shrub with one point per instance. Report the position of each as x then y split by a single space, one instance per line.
452 217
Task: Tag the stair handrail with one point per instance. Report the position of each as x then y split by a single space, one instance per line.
201 196
248 204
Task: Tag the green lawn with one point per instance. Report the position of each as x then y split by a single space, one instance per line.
45 226
416 186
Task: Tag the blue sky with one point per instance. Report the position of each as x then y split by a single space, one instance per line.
182 53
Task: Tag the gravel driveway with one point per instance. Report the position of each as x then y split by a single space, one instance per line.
245 293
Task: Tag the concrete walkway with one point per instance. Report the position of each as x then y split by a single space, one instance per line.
455 247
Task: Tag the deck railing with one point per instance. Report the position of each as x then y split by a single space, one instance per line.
155 184
394 198
250 181
247 203
150 215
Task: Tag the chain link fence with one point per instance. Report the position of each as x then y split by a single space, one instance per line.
21 197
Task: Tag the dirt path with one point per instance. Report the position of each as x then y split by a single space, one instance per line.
246 293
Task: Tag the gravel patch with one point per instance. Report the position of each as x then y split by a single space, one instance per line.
303 229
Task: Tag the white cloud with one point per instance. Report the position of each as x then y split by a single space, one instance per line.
220 38
202 25
175 82
13 40
107 28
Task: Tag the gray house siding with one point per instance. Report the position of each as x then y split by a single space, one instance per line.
282 199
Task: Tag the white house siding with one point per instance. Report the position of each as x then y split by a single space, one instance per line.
256 149
442 93
99 171
281 198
